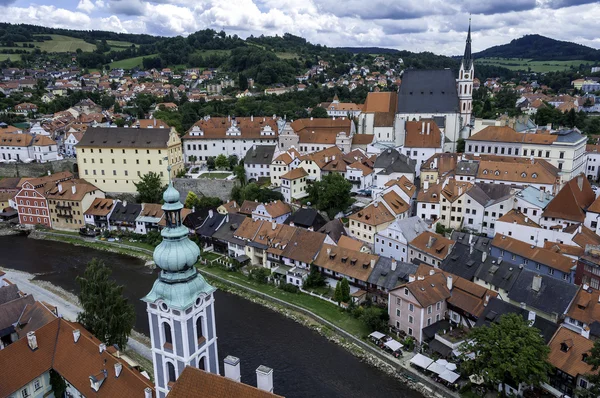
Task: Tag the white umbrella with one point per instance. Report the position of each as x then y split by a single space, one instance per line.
449 376
442 362
451 366
476 379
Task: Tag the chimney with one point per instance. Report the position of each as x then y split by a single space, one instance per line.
273 225
59 187
580 182
76 335
422 127
536 285
431 272
586 287
32 341
118 369
264 378
124 203
232 368
147 392
471 247
487 300
73 189
210 214
585 332
394 264
483 256
420 277
526 220
541 195
531 317
49 172
428 128
102 347
449 282
373 261
426 185
251 118
328 251
411 278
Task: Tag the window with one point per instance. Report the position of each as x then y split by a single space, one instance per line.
168 335
411 307
429 309
37 384
513 257
199 332
406 291
583 383
410 319
438 305
24 393
171 372
397 312
410 331
537 266
551 271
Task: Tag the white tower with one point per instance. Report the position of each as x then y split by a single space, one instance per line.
180 305
465 82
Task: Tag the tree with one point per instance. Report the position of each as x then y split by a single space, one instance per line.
191 200
242 82
337 294
150 188
345 287
210 163
460 145
59 386
233 161
314 279
374 318
106 313
331 194
508 351
319 112
240 173
221 162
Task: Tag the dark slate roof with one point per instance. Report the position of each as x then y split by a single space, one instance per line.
196 218
127 213
500 274
120 137
210 225
383 276
392 161
228 228
487 194
334 229
260 154
462 262
571 136
11 311
496 308
8 293
430 331
440 348
481 243
553 297
306 218
467 168
428 91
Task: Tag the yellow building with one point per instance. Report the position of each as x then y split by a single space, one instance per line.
365 223
114 159
69 200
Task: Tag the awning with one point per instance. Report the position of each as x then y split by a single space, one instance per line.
440 348
281 269
436 368
242 258
393 345
377 335
421 361
449 376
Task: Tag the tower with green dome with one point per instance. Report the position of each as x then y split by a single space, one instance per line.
180 305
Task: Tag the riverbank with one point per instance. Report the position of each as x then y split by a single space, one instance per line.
138 345
77 240
398 368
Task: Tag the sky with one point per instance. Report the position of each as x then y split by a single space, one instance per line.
438 26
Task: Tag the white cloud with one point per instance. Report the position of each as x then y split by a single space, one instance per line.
416 25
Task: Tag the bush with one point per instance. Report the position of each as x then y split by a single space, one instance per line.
259 275
374 319
314 279
288 287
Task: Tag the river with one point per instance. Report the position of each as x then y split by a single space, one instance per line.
305 363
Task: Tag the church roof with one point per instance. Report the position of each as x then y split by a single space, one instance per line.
428 91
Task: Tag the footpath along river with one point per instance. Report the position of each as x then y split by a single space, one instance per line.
305 363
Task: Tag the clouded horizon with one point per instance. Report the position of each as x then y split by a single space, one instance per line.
423 25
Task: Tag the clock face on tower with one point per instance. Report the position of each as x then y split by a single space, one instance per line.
466 76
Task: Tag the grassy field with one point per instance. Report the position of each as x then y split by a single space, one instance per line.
120 44
536 66
13 57
285 55
129 63
61 44
328 311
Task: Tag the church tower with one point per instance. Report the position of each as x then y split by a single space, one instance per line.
465 82
180 305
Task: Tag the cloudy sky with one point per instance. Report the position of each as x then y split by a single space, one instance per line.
416 25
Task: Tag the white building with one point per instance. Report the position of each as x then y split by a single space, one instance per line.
393 240
257 162
27 148
71 141
485 204
592 163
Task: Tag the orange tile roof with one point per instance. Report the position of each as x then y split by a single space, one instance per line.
373 214
570 202
567 250
507 134
152 210
152 123
537 254
100 207
585 306
248 229
380 102
82 188
347 242
433 244
250 128
417 136
304 245
445 162
586 237
248 207
404 184
352 263
362 139
518 171
231 206
294 174
277 208
395 202
196 383
516 217
20 140
431 194
571 361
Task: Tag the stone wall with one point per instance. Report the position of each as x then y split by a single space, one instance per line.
36 169
205 187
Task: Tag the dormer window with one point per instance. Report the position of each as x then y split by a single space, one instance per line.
534 175
523 175
485 171
497 172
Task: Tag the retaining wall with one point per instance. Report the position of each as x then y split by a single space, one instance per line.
36 169
205 187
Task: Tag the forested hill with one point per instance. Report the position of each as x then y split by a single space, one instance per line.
538 47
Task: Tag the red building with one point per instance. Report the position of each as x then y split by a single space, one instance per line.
588 267
32 205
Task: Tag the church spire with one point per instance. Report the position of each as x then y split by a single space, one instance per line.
468 58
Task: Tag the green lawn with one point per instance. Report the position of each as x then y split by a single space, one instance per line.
12 57
286 55
536 66
130 63
326 310
62 44
215 175
120 44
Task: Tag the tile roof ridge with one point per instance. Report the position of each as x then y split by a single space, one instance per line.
60 321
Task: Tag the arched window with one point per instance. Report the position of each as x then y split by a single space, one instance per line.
202 363
171 372
168 335
523 174
534 175
497 172
199 331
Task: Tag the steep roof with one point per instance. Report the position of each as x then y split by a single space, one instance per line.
566 352
433 244
75 361
570 203
428 91
100 207
586 306
120 137
260 154
507 134
423 134
197 383
306 218
334 229
277 208
385 277
380 101
352 263
248 207
373 214
488 194
82 188
126 212
294 174
304 245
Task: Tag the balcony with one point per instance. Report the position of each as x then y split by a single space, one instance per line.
64 206
64 215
